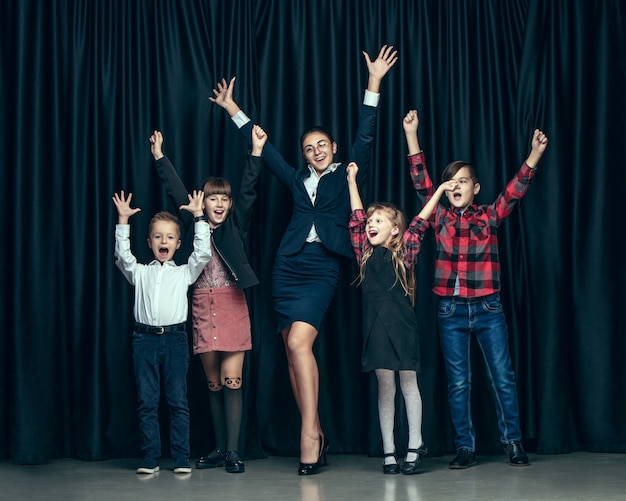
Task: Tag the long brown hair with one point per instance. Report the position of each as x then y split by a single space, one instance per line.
404 276
216 186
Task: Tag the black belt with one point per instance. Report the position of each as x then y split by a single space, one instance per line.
157 329
473 299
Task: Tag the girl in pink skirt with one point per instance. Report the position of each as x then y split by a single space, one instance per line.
221 322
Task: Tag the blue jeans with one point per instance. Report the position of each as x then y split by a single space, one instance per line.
459 318
167 356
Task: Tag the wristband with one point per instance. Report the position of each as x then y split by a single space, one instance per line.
201 218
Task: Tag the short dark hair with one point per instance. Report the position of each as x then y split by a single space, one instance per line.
163 216
453 167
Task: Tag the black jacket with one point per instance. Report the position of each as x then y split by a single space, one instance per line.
228 237
331 210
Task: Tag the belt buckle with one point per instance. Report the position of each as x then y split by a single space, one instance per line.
159 330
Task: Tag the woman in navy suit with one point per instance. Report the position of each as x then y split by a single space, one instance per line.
315 244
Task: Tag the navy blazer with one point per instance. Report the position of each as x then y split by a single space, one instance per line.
229 236
331 210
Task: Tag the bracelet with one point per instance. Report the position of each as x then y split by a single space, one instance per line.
201 218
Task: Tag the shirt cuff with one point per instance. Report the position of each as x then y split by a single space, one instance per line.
201 228
240 119
371 98
123 230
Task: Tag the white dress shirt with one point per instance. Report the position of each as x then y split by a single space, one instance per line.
161 289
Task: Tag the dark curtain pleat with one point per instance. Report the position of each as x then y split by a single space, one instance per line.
85 83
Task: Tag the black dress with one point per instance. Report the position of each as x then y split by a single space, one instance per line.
390 334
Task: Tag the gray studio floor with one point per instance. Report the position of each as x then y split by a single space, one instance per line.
568 476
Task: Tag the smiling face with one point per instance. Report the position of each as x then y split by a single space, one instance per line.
380 228
164 239
217 208
217 200
318 150
463 196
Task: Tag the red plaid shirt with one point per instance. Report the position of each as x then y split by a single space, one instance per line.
412 237
467 243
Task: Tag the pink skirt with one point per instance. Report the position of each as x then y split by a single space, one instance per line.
221 321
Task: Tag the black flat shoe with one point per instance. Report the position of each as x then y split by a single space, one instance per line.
309 468
517 456
464 459
393 468
410 467
233 463
215 459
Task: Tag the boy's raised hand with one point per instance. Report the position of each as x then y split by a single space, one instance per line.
539 144
124 211
156 144
196 203
539 141
259 136
411 121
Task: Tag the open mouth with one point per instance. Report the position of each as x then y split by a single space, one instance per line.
163 252
372 233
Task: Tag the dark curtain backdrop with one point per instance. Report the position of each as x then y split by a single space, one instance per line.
84 83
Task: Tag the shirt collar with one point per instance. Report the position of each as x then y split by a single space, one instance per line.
470 209
155 262
331 168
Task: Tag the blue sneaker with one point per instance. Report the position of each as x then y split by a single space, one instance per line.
148 466
181 465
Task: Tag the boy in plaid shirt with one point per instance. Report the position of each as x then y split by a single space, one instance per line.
467 281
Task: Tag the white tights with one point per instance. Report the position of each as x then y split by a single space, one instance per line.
387 409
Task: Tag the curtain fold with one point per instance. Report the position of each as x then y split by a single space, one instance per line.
85 83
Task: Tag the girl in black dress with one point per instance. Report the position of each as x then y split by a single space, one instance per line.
386 251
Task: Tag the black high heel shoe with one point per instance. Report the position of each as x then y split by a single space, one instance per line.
309 468
314 468
324 446
410 467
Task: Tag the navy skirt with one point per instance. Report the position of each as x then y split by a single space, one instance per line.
304 284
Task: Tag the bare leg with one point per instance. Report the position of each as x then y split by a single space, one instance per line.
304 376
285 335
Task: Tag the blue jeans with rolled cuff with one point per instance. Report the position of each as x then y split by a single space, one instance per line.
166 356
459 318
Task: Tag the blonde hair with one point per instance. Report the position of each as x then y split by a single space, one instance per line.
396 244
164 216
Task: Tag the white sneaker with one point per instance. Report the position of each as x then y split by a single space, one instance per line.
181 465
148 466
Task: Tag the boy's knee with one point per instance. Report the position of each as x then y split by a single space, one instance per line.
234 383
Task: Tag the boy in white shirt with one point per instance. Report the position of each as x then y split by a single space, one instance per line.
160 347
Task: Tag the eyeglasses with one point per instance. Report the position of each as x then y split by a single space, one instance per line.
321 145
